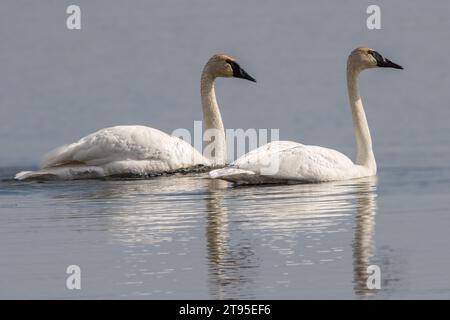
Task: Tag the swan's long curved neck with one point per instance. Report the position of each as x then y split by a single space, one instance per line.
216 148
365 156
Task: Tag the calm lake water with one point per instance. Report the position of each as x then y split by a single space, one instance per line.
187 236
190 237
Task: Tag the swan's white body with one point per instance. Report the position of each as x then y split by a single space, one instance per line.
130 150
285 161
139 150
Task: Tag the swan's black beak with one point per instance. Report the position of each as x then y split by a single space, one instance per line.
382 62
238 72
386 63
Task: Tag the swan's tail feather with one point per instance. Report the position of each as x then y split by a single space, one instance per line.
34 175
61 173
232 175
59 156
243 177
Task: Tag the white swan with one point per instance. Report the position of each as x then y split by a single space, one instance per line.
284 161
140 150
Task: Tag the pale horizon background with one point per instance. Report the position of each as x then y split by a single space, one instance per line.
140 63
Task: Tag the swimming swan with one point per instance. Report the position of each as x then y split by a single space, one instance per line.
140 150
284 161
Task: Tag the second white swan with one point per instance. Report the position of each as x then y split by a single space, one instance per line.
286 161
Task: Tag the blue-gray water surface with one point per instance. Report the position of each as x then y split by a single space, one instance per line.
186 236
190 237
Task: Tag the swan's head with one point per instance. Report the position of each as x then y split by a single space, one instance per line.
223 65
365 58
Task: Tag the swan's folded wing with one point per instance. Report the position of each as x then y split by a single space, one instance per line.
264 154
124 143
313 163
286 160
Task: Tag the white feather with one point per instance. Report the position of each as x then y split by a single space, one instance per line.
281 161
134 150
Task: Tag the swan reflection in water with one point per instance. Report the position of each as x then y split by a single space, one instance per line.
312 209
363 244
252 236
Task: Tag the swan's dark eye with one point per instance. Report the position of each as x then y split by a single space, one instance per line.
377 56
230 63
